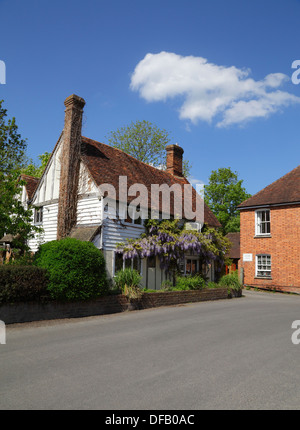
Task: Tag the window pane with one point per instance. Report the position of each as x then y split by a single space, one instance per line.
138 221
118 262
263 222
263 267
136 264
194 267
151 262
127 263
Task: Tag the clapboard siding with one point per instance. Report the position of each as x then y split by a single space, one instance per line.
89 211
115 232
49 226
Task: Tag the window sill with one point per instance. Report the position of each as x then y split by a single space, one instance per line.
263 277
261 236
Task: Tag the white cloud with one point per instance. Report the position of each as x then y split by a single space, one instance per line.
209 90
194 181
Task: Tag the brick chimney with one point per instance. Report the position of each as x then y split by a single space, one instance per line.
70 163
174 160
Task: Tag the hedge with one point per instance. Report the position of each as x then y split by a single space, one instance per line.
22 284
76 270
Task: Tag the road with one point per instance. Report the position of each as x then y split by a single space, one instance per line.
228 354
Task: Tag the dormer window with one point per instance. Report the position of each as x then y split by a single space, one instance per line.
134 216
262 223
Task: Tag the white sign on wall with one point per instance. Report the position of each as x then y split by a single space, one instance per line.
247 257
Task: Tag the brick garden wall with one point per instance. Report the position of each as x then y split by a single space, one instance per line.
283 246
33 311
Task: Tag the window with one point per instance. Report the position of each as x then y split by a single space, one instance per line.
134 216
263 266
191 266
38 215
151 261
120 264
263 224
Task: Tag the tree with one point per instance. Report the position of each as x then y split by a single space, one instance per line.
33 169
146 142
15 219
223 194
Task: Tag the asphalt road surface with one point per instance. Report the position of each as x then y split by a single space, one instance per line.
228 354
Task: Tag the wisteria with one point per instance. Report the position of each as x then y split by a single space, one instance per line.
166 240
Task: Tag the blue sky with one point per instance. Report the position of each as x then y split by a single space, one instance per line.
215 74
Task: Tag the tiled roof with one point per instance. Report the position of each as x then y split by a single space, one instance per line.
283 191
31 184
234 251
106 164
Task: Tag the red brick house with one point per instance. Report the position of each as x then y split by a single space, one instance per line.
270 235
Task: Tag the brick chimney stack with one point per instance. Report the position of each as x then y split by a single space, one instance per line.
70 163
174 160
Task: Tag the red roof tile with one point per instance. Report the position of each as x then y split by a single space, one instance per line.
31 184
283 191
106 164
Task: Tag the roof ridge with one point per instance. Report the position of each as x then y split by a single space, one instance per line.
30 176
131 156
273 184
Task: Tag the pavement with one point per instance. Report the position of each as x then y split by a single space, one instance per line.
228 354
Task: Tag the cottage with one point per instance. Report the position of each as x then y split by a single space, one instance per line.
87 191
270 235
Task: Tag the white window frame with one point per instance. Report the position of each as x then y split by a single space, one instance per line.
259 222
261 267
38 215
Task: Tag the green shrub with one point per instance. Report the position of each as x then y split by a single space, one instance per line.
76 269
184 283
22 283
195 282
231 281
22 260
129 282
212 284
166 285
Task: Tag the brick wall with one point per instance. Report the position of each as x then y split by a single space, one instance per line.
25 312
283 246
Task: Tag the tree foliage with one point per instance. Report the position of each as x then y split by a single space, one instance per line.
15 219
36 170
223 194
145 142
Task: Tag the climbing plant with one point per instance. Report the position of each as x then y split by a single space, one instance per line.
170 241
